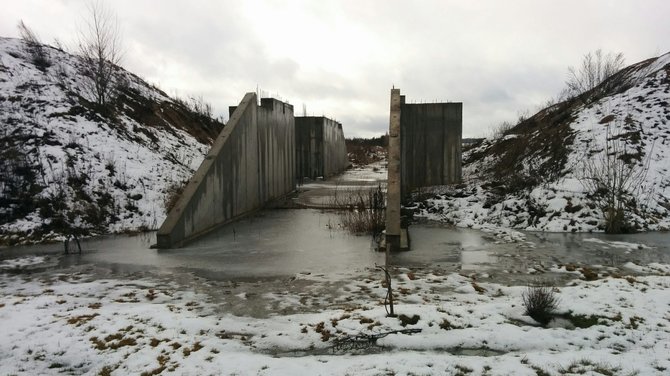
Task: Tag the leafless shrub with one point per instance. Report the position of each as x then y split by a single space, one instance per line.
615 177
595 68
100 50
197 105
363 211
200 106
501 129
34 47
540 302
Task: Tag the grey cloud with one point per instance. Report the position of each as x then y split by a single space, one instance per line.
499 58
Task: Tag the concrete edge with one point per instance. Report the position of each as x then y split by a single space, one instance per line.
206 231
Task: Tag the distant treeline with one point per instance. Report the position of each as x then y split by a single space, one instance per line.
374 141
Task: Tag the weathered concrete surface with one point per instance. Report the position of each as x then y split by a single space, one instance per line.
394 177
424 150
320 147
276 149
251 162
430 144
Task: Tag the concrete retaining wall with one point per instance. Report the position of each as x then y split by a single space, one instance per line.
320 147
430 144
251 162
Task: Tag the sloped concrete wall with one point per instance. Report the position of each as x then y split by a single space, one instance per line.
251 162
430 144
320 147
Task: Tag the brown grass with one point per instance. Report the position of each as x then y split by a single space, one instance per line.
113 341
81 320
363 211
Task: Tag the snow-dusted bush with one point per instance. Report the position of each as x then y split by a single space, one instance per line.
540 302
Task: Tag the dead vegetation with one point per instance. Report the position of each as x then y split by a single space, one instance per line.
113 342
545 138
362 211
540 302
81 319
615 176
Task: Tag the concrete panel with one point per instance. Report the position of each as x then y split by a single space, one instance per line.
320 147
431 144
308 152
335 150
251 162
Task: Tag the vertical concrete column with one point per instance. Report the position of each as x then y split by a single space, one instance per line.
393 181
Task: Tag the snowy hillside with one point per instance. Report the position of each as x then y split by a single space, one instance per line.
539 175
65 167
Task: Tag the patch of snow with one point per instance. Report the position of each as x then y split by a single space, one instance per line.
21 262
618 244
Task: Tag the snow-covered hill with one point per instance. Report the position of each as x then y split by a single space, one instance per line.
538 175
65 167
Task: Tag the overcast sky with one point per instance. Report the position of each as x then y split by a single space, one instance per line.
341 58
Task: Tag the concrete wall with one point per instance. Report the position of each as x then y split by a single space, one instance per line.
309 146
430 144
251 162
320 147
335 158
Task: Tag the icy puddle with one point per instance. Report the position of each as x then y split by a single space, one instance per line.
283 243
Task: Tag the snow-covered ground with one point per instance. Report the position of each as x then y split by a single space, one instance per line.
76 324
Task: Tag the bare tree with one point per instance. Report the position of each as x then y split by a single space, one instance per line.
595 68
99 47
34 46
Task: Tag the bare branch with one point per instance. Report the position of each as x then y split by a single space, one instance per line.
595 68
99 47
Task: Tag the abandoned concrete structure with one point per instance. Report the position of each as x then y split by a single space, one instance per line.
320 148
430 144
251 163
424 150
